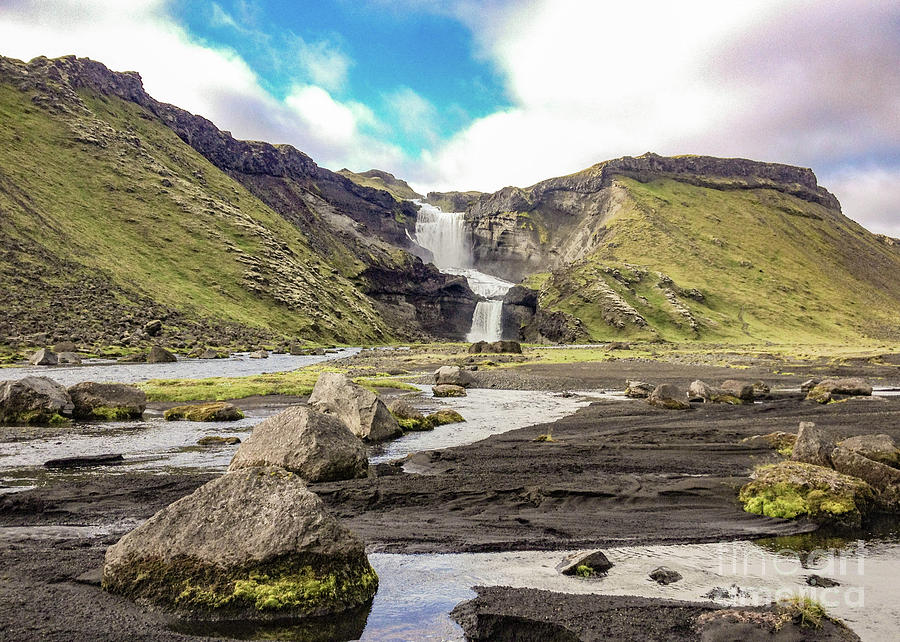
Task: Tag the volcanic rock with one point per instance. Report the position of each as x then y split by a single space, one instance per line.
33 400
363 412
107 401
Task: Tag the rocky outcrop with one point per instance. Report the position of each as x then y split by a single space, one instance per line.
252 544
813 445
34 401
108 401
315 446
360 409
880 448
884 480
382 180
453 201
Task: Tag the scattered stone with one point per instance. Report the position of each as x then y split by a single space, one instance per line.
618 345
880 448
825 391
638 389
793 489
821 582
761 388
363 412
496 347
664 575
259 354
34 401
109 401
215 411
812 445
781 441
132 358
740 389
209 353
216 440
252 544
444 417
808 385
316 446
153 328
453 376
732 592
86 460
68 357
669 397
590 565
160 355
44 357
447 390
401 409
699 391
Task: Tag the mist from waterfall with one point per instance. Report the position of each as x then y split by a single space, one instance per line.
444 234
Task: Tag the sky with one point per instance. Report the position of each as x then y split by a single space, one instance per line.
480 94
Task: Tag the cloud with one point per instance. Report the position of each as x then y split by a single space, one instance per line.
870 196
213 81
796 82
415 115
323 63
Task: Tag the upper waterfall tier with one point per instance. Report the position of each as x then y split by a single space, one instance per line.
444 233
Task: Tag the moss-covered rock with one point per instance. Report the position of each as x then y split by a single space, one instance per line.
252 544
34 401
218 411
107 401
781 441
445 416
794 489
447 390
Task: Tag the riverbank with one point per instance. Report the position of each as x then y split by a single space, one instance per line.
616 473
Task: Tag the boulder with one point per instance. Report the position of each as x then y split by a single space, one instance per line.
793 489
214 411
510 347
740 389
68 357
453 376
209 353
259 354
638 389
160 355
315 446
699 391
665 576
824 391
813 446
33 400
779 440
64 346
409 418
880 448
883 479
252 544
44 357
808 385
110 401
669 397
443 417
761 388
479 347
363 412
153 328
821 582
447 390
593 564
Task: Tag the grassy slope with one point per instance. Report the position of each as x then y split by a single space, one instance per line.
768 268
161 220
398 189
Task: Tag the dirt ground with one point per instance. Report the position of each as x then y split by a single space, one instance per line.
614 472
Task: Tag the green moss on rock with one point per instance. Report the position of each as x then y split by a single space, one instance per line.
794 489
113 413
446 416
219 411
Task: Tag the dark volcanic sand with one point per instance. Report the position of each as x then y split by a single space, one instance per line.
616 472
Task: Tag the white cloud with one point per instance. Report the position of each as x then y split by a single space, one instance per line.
212 81
415 115
323 63
870 196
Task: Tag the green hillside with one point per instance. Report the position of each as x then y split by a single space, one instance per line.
378 179
728 264
94 189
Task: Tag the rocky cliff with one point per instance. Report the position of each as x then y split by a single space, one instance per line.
183 219
690 247
382 180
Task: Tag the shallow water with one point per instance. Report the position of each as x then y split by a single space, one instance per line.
486 411
237 365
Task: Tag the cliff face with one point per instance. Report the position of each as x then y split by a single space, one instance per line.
690 247
269 238
382 180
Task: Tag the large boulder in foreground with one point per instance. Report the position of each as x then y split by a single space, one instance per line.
824 391
253 544
795 489
669 397
453 376
34 401
363 412
315 446
812 446
109 401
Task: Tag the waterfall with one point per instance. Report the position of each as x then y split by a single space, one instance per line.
444 233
